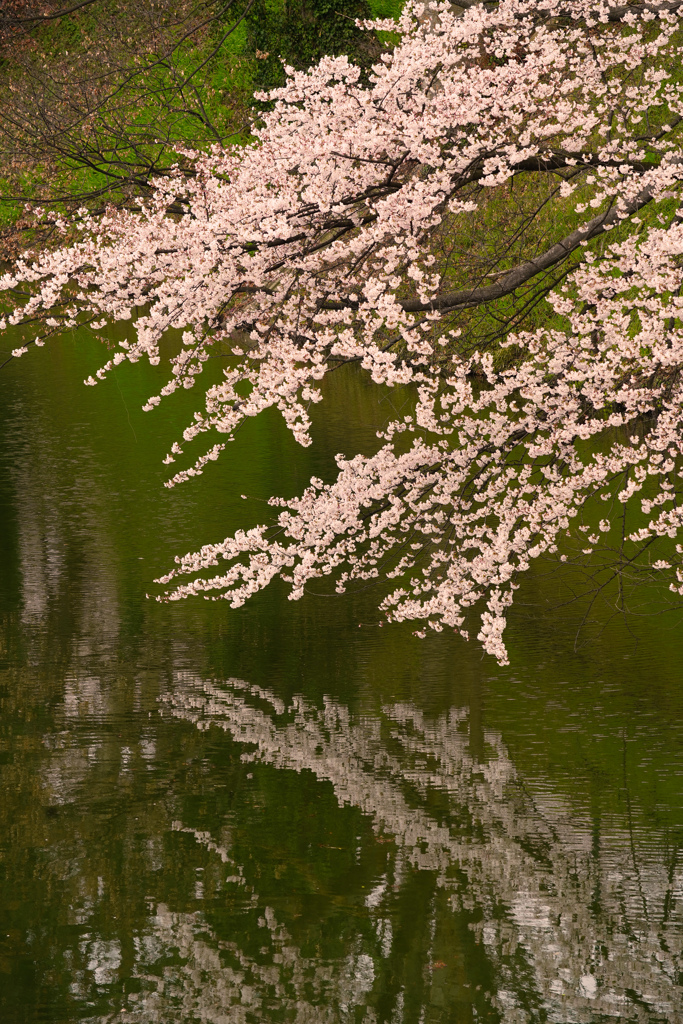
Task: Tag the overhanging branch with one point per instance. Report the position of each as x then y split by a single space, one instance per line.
468 297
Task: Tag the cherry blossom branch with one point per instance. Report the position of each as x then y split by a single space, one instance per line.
468 297
613 13
338 236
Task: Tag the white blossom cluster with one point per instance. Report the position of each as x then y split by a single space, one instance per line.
315 244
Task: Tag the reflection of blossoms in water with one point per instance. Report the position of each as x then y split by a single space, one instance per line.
217 982
104 959
185 972
590 931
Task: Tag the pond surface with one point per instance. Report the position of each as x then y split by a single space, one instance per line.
287 812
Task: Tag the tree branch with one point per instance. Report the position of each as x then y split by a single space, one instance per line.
468 297
36 18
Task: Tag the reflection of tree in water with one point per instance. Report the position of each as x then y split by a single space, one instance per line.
220 983
569 923
577 926
65 553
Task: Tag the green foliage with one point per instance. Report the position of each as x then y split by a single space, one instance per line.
385 8
300 32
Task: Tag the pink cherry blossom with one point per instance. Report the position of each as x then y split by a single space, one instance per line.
315 246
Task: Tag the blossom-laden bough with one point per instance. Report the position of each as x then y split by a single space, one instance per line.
488 216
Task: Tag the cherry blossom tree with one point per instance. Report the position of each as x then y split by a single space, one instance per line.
490 219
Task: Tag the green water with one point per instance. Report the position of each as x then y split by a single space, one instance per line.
287 812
